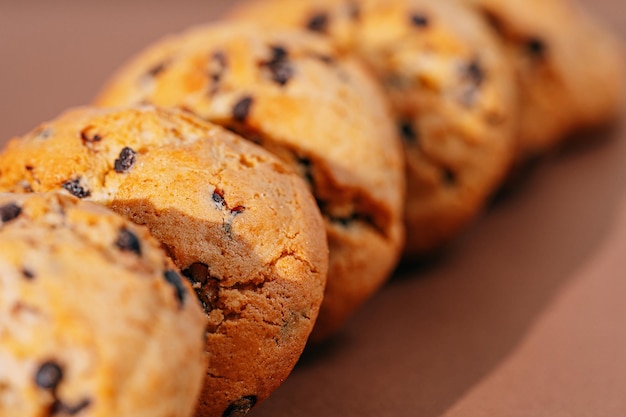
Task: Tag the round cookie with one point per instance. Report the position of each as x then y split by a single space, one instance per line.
95 320
238 223
318 110
569 69
451 88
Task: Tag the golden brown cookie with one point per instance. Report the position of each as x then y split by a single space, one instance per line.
318 110
569 69
452 91
236 220
95 320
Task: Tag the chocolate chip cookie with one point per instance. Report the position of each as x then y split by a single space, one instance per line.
95 320
318 110
241 226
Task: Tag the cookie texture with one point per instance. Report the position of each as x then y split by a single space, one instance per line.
320 111
452 91
95 320
240 225
569 68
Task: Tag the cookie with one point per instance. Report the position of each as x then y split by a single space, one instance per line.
318 110
452 90
569 69
240 225
95 320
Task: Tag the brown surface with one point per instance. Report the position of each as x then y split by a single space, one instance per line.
524 317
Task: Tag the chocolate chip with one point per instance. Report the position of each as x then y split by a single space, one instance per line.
238 210
306 169
59 407
474 72
279 53
76 189
176 281
326 59
354 11
157 69
419 20
279 66
318 22
241 407
45 133
345 221
449 177
127 241
217 66
9 212
88 137
407 131
206 287
125 161
218 198
208 294
536 47
49 375
28 274
242 109
197 272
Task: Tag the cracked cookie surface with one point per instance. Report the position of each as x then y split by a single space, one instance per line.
238 222
452 92
317 109
90 324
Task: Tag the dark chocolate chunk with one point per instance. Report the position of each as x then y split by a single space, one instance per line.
449 177
474 72
208 294
281 72
9 212
419 20
45 133
306 170
242 109
354 11
197 272
76 189
176 281
157 69
125 161
345 221
279 66
238 210
407 131
217 66
205 286
279 53
59 407
49 375
127 241
241 407
88 137
536 47
318 22
28 274
218 198
326 59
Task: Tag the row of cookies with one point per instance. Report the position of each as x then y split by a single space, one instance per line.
253 245
475 85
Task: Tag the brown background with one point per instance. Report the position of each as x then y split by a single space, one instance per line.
525 316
